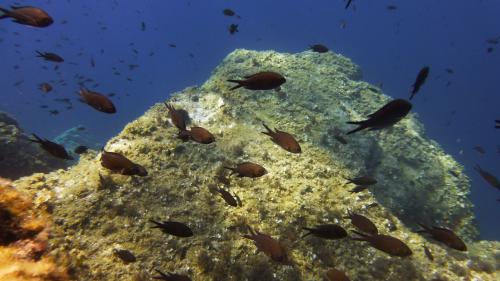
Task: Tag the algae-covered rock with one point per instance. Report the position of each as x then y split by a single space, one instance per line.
20 157
97 212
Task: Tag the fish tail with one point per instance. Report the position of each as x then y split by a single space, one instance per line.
4 13
39 54
37 139
363 237
269 131
361 127
425 228
157 224
240 84
412 94
308 233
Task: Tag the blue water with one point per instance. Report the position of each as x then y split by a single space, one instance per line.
390 47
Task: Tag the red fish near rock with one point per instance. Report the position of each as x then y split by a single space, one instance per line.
266 80
248 169
53 148
444 235
178 117
118 163
283 139
388 115
268 245
28 16
197 134
97 101
385 243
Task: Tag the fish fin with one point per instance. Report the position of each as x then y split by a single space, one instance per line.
5 13
163 275
364 237
40 54
37 139
157 224
240 84
269 131
359 128
308 233
425 228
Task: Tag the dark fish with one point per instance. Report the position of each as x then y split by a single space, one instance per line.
81 149
358 188
488 177
231 200
124 255
248 169
173 228
449 70
327 231
143 26
228 12
118 163
386 116
336 275
268 245
266 80
444 235
50 56
53 148
199 135
45 87
92 62
319 48
497 124
172 45
348 4
340 139
170 276
233 28
97 100
28 16
479 149
489 50
364 180
177 117
54 112
283 139
391 7
428 253
422 75
385 243
362 223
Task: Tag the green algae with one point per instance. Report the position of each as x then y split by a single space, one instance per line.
96 211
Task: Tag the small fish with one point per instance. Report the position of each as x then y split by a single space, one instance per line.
336 275
340 139
118 163
358 188
92 62
283 139
45 87
497 124
348 4
428 253
50 57
266 80
488 177
391 7
371 205
385 243
421 77
319 48
53 148
388 115
177 117
54 112
233 28
326 231
173 228
364 180
446 236
479 149
81 149
170 276
197 134
493 41
124 255
268 245
172 45
231 200
143 26
489 50
228 12
449 70
248 169
27 15
362 223
97 100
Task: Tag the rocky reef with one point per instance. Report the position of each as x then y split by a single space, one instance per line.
98 214
20 157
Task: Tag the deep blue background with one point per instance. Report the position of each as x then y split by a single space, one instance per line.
390 47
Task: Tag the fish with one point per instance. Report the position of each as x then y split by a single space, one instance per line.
92 62
428 253
228 12
178 117
172 45
231 200
53 148
388 115
489 50
385 243
143 26
98 101
364 180
170 276
173 228
116 162
283 139
45 87
421 77
444 235
488 177
53 57
449 70
336 275
268 245
497 124
319 48
362 223
348 4
358 188
81 149
54 112
233 28
479 149
248 169
340 139
198 134
391 7
266 80
125 255
326 231
27 15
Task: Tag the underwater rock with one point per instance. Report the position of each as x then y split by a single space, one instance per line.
95 209
20 157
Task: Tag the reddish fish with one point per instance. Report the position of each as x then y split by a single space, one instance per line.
445 236
266 80
97 101
53 57
385 243
28 16
248 169
118 163
268 245
283 139
53 148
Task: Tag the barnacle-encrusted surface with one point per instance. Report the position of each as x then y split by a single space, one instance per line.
97 212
